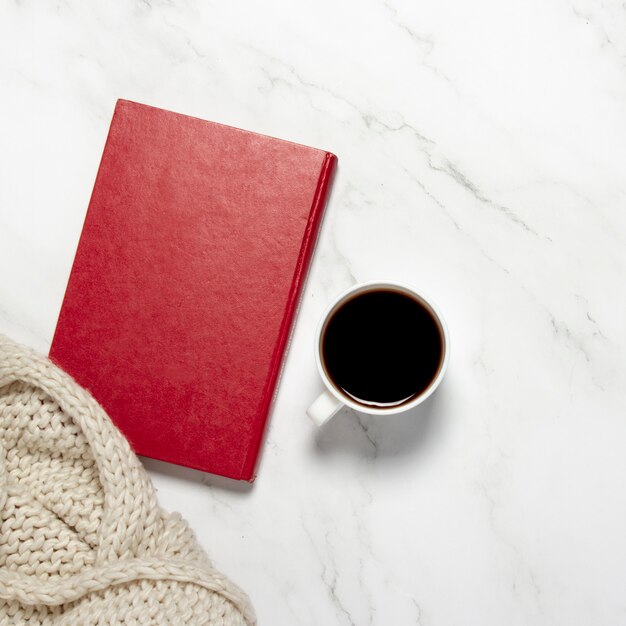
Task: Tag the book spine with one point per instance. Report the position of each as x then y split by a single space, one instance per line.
304 260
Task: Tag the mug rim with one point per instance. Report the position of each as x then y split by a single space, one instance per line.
381 284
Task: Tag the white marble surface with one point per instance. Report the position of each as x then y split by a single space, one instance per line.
482 151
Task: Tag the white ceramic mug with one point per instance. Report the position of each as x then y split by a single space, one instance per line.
333 398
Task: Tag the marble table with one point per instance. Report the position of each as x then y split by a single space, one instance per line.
482 151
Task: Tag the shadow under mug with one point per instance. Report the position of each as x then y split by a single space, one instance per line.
332 399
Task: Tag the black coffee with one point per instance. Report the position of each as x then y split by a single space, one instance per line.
382 347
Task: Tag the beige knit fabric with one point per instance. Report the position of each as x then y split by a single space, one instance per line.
82 539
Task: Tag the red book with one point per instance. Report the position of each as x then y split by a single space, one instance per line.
186 280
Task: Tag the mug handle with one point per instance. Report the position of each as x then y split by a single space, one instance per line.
323 408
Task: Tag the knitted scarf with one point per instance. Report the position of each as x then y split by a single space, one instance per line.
82 538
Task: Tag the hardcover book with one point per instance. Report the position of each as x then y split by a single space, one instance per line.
186 280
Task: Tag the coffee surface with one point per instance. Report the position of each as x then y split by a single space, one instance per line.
382 347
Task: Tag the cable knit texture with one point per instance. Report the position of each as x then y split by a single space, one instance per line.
82 538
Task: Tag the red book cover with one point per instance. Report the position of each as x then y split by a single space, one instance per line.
186 280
